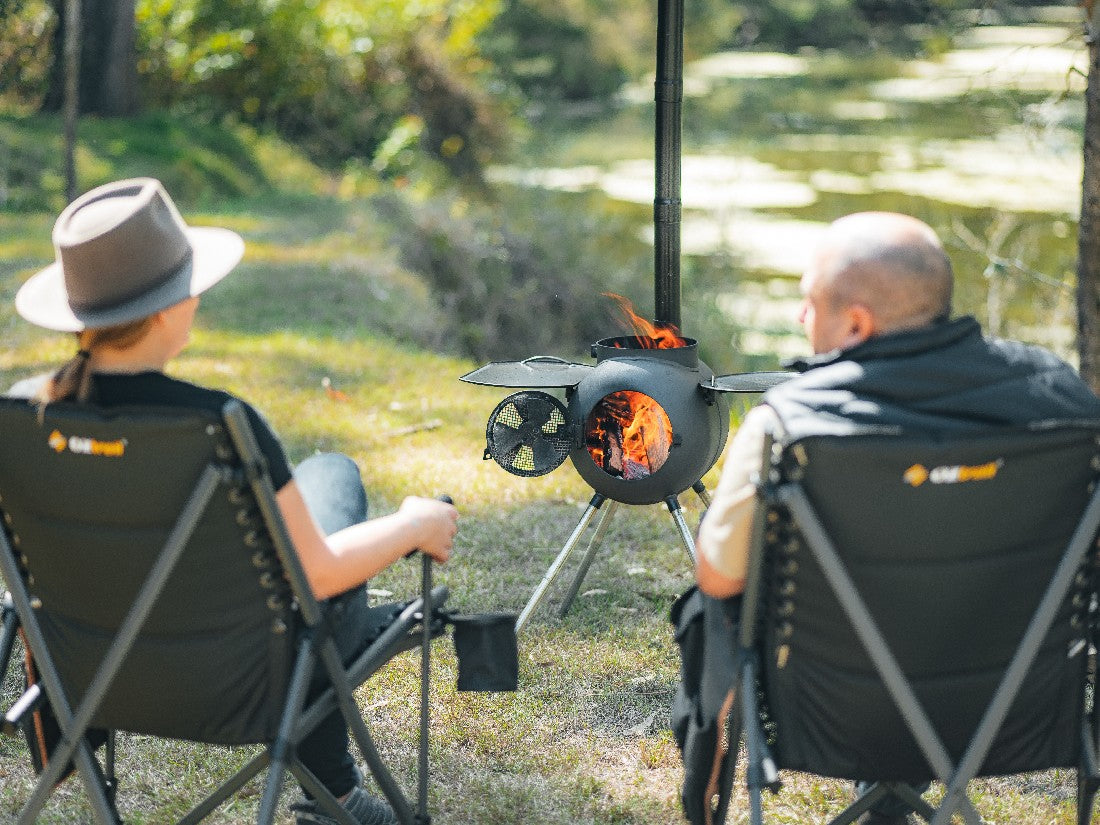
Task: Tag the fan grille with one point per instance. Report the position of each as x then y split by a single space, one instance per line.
528 434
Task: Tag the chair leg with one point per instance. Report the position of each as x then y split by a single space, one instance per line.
1086 794
861 805
9 624
280 749
109 785
760 770
358 730
734 728
1088 774
226 790
110 780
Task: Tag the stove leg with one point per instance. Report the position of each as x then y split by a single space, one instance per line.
593 546
555 567
673 504
701 489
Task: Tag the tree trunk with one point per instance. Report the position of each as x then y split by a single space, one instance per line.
1088 234
118 94
108 71
71 54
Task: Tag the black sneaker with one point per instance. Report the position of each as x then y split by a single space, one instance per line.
364 809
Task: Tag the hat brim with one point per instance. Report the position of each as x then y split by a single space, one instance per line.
44 301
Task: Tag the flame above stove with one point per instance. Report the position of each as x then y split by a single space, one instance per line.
647 335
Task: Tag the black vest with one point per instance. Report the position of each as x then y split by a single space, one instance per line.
938 380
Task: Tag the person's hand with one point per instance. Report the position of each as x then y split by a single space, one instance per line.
434 524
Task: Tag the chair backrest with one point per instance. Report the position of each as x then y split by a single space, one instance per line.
89 497
951 546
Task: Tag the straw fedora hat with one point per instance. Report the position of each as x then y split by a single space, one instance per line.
124 252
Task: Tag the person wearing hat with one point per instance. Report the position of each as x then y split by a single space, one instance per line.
126 282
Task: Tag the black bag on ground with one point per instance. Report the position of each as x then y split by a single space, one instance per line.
487 651
705 632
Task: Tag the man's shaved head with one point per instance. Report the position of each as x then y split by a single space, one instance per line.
892 264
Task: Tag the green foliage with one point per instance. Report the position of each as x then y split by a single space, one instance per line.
198 162
26 29
521 276
337 78
549 56
584 50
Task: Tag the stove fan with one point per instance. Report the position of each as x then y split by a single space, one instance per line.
528 434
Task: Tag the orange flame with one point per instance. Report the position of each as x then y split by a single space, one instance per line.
647 335
629 435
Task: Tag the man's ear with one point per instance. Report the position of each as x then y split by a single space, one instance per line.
861 325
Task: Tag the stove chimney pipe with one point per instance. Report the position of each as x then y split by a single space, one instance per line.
668 95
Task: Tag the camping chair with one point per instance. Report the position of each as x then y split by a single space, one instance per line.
158 592
921 609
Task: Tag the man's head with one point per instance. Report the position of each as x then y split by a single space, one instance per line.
873 273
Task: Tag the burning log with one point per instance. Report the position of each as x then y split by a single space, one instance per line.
629 435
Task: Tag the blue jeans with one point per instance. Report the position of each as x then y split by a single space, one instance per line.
333 491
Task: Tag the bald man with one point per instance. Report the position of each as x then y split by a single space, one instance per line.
876 309
876 306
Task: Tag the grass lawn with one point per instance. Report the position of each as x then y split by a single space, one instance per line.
586 738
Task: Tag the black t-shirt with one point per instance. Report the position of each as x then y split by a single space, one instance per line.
154 388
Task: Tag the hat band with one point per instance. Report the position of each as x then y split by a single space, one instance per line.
171 274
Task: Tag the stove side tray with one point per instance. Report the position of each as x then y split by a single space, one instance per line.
746 381
539 372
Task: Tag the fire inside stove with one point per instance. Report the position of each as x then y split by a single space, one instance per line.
628 435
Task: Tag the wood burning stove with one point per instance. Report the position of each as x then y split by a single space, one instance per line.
645 422
641 426
647 426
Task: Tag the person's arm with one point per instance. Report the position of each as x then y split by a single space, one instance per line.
722 548
351 556
715 583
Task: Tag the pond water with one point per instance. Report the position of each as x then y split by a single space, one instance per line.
983 143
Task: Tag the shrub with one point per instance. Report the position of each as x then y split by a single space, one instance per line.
521 276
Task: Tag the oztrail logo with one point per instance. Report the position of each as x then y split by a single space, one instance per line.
86 446
916 475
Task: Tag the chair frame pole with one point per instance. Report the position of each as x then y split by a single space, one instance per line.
330 658
821 545
422 817
1060 583
281 750
747 627
392 641
74 724
9 625
248 450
